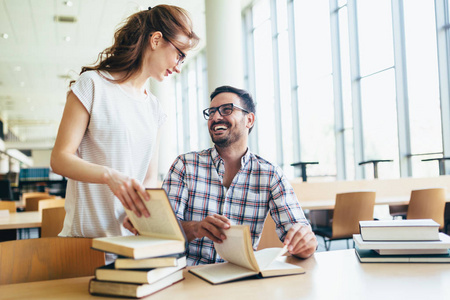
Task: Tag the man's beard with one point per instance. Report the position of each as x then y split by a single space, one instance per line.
225 141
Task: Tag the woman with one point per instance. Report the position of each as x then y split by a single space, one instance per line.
107 138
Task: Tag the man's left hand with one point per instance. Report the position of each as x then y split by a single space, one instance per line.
301 241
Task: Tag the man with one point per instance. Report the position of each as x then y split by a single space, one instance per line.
227 184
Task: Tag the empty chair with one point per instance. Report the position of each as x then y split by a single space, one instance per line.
49 203
32 203
52 221
9 205
427 204
350 208
269 237
48 259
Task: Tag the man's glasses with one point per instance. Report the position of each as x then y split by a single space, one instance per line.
181 55
224 110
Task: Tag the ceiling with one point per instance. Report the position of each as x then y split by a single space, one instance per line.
39 56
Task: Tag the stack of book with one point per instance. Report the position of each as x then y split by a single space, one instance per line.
402 241
148 262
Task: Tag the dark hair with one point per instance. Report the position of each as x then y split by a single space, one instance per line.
131 39
246 99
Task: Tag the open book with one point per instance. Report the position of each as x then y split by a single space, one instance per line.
242 262
159 235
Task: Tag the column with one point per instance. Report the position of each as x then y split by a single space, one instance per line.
224 43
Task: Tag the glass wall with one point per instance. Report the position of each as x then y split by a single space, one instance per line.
340 82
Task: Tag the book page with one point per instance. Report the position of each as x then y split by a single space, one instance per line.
218 273
237 247
162 222
267 256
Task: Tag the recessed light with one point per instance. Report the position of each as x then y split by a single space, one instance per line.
5 36
67 38
68 3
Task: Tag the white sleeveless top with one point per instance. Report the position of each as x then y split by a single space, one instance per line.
121 135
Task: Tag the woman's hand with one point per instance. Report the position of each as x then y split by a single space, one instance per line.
128 190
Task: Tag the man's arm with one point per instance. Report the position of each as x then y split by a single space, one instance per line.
287 213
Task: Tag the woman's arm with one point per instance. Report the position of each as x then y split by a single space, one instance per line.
64 161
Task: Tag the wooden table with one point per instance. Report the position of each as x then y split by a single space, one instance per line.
329 204
30 219
329 275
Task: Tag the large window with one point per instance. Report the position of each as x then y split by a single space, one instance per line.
423 84
340 82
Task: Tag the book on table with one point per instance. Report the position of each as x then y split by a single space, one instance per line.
442 243
146 263
371 256
109 273
399 230
159 235
135 290
242 261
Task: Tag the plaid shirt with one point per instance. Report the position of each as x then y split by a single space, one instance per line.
195 188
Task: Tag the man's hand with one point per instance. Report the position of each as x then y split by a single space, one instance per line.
211 227
301 241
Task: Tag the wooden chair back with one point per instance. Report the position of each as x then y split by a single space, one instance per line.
350 208
9 205
52 221
32 203
33 194
269 237
427 204
48 259
49 203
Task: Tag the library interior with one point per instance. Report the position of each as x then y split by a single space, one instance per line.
348 138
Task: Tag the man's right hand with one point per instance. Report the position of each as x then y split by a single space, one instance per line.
211 227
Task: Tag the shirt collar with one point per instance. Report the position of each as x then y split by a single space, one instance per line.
217 160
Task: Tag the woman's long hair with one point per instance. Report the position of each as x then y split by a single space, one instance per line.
131 39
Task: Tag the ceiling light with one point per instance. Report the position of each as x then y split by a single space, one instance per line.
65 19
68 3
67 38
5 36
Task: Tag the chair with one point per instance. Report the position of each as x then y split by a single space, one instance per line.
48 259
427 204
269 237
9 205
32 203
349 209
49 203
52 221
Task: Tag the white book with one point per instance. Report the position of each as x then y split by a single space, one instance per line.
400 230
242 261
442 243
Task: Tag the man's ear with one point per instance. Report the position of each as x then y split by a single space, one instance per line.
156 39
250 118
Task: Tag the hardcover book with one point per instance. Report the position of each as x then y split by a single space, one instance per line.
147 263
109 273
242 261
134 290
399 230
442 243
159 235
365 255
